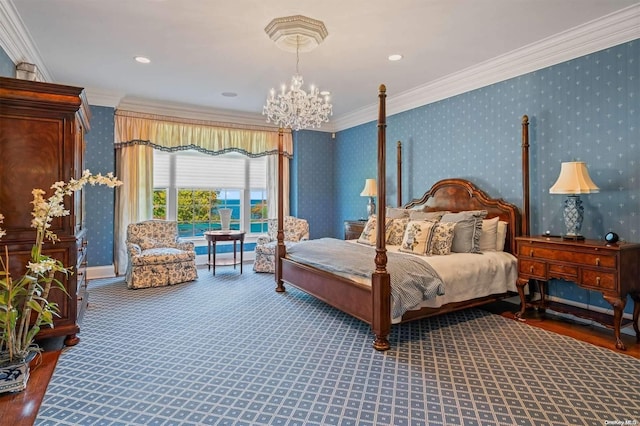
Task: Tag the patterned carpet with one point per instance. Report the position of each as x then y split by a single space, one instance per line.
228 350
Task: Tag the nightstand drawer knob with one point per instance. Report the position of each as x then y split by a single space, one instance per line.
597 262
531 253
531 269
598 280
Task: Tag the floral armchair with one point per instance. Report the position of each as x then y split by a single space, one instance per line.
295 230
157 257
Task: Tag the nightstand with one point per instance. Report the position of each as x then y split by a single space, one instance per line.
353 228
611 269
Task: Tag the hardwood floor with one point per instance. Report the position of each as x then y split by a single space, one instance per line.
21 408
594 334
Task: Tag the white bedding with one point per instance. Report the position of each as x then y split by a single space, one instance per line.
466 275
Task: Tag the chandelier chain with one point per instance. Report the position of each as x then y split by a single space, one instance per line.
297 54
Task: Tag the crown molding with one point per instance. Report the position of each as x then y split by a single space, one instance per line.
608 31
17 43
105 98
193 112
611 30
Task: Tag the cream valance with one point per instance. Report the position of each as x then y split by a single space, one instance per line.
172 133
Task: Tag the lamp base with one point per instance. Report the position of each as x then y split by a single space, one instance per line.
573 214
573 237
371 207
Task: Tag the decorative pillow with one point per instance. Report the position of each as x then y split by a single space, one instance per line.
420 215
394 230
466 236
501 235
416 236
489 234
441 239
368 235
394 213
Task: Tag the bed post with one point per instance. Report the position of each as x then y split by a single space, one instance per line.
280 248
526 224
380 280
399 174
526 230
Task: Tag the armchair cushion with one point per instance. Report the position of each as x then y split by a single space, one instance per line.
146 243
159 256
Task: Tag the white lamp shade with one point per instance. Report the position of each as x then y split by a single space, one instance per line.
370 188
574 179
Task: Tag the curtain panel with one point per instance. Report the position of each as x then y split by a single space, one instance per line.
134 198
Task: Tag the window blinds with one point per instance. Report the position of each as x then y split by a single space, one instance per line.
195 170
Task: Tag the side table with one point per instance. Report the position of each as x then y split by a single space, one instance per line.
215 236
611 269
353 229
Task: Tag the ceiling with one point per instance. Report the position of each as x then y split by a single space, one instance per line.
202 49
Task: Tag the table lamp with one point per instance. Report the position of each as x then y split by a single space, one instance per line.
573 180
370 190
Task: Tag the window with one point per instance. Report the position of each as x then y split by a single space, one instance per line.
190 187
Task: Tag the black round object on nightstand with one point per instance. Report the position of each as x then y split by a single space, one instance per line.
611 237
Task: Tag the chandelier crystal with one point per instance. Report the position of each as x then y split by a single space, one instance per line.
297 109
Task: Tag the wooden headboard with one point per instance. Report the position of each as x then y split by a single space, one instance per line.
456 195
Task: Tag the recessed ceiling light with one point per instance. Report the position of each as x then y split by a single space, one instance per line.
229 94
325 93
142 59
395 57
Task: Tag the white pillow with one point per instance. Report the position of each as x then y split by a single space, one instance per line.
501 235
489 234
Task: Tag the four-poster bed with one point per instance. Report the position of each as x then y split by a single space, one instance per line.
371 301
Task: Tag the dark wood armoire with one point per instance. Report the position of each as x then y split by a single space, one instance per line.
42 127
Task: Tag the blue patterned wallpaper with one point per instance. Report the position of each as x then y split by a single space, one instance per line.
356 160
100 200
7 67
312 181
585 109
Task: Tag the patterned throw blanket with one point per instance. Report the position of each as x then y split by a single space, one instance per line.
412 280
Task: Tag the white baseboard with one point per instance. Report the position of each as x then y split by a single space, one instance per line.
97 272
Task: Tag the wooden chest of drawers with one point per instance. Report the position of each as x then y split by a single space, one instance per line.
353 229
612 269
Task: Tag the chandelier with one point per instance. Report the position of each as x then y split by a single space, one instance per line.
297 109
